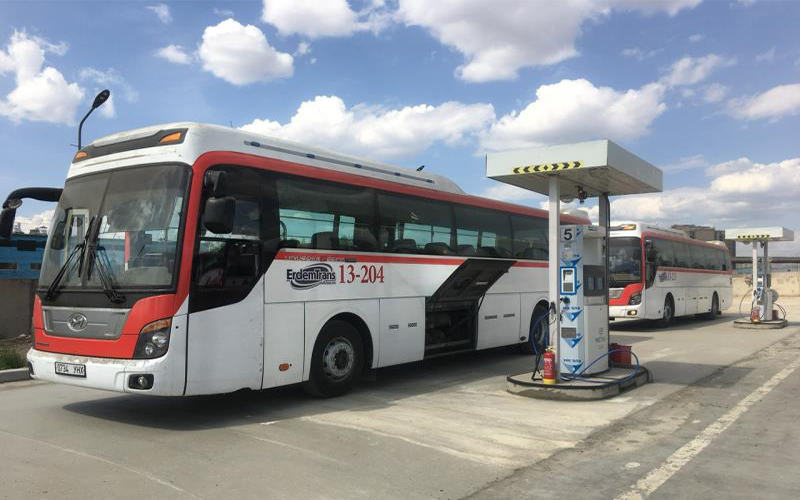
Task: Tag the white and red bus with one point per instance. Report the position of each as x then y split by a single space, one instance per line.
660 273
195 259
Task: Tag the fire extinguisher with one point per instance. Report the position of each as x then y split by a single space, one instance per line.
549 368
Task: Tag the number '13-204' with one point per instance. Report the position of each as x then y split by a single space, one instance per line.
362 274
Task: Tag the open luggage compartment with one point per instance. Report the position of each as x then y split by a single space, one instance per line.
451 313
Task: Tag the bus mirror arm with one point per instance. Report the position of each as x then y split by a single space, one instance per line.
14 201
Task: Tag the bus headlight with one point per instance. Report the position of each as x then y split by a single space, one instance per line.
153 340
636 299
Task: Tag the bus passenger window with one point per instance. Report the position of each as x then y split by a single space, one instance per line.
530 237
324 215
414 225
487 230
664 252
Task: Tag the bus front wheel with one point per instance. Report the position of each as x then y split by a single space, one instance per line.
669 311
337 360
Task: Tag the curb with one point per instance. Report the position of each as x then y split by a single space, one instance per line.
14 375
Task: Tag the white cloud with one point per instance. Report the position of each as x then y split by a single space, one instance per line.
696 37
223 12
766 57
162 11
572 110
693 162
378 132
639 54
778 179
775 103
303 48
174 54
315 19
741 193
41 93
113 80
241 54
499 37
508 193
715 92
692 70
35 221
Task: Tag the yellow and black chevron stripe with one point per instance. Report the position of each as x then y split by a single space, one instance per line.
547 167
754 237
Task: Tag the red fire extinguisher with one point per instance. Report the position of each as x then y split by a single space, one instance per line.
549 368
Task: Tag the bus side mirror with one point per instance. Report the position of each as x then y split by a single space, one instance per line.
219 214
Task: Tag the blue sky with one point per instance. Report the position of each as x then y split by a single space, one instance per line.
707 90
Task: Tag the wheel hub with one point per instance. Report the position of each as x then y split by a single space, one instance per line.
338 358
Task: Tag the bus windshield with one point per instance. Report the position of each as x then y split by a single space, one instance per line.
625 261
134 215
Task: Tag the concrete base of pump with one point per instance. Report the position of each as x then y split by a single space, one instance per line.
617 379
760 325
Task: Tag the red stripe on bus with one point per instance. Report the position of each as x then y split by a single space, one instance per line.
225 157
692 270
385 259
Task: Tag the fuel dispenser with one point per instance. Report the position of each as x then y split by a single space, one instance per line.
763 297
578 264
584 308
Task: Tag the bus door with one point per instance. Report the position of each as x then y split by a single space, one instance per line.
226 305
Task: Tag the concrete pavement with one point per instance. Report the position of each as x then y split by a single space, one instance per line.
440 429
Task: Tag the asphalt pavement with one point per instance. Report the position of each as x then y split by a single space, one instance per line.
439 429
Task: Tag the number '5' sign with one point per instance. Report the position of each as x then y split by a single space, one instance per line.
567 233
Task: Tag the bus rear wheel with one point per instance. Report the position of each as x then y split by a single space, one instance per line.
714 312
337 360
537 332
669 312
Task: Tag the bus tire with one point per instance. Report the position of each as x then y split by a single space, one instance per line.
714 312
668 314
536 331
337 360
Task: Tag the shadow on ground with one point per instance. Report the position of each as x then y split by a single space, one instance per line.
247 407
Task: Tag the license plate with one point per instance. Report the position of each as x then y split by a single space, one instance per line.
71 369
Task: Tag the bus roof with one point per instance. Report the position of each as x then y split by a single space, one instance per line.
185 142
639 229
200 138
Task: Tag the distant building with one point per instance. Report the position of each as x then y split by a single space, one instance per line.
21 256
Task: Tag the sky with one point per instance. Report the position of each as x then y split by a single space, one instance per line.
708 91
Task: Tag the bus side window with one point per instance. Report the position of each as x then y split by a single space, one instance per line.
682 256
226 267
487 230
665 253
698 257
326 216
713 257
530 237
225 260
651 261
414 225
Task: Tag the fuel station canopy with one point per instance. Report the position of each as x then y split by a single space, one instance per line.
598 167
759 234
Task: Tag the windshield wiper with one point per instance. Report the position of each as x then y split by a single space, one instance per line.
103 267
78 251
